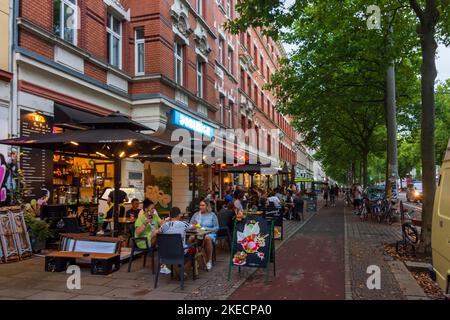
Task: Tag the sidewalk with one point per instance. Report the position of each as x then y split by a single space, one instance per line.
328 259
310 265
27 280
365 247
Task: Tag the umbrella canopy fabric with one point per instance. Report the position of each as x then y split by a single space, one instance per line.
104 141
115 120
252 169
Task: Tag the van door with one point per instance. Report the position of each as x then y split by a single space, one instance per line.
441 228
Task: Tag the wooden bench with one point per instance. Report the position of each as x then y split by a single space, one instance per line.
102 253
101 263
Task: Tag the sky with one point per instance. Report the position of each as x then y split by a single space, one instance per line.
442 61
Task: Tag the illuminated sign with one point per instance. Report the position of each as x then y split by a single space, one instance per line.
182 120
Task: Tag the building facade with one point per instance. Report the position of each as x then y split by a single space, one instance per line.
157 61
5 69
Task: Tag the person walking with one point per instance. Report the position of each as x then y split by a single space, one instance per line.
326 192
332 196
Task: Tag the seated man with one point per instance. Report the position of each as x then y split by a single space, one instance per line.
133 213
176 226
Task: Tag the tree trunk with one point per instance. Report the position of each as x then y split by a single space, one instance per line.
391 124
364 169
353 172
427 31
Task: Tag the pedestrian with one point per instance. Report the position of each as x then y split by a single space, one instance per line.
326 192
332 197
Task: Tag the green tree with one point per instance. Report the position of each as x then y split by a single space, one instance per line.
315 24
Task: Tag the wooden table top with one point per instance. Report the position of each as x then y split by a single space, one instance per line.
81 255
87 237
198 232
121 220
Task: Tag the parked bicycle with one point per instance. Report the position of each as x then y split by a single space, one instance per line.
410 232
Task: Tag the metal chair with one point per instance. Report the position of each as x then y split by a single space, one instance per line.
171 252
136 251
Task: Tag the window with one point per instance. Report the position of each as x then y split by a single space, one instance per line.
230 60
230 114
268 73
255 54
220 54
262 101
269 145
199 7
249 41
221 108
249 86
200 68
249 127
179 63
261 60
242 79
114 31
243 121
139 46
230 9
255 94
65 20
257 137
268 108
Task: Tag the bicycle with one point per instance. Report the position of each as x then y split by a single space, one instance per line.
410 233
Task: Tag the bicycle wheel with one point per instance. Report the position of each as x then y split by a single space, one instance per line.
410 233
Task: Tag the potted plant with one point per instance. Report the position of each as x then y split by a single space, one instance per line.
39 231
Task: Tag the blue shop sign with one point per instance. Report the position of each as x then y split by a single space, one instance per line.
183 120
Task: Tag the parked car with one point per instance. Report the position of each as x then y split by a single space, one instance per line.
374 193
414 192
440 229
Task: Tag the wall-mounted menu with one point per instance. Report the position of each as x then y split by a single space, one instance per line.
36 164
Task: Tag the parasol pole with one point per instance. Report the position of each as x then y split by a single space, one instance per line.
117 183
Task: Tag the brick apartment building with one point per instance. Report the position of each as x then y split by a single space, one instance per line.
153 60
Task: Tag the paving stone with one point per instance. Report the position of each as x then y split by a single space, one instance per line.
90 290
90 297
18 293
128 293
51 295
126 283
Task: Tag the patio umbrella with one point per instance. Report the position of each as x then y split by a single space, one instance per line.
113 144
113 121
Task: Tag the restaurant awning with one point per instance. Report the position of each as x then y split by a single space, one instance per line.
266 169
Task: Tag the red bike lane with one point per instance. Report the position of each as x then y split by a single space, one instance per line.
310 265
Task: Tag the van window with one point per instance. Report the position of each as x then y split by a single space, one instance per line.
444 197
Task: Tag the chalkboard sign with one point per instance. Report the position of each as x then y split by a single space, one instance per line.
252 244
37 165
311 205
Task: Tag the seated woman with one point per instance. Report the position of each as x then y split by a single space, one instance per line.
208 221
147 224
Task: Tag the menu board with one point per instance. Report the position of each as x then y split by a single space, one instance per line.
252 243
37 165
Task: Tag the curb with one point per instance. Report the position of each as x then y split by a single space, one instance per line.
347 265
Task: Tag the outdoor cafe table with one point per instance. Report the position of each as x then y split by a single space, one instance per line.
124 222
198 233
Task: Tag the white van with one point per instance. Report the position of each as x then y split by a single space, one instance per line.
440 235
